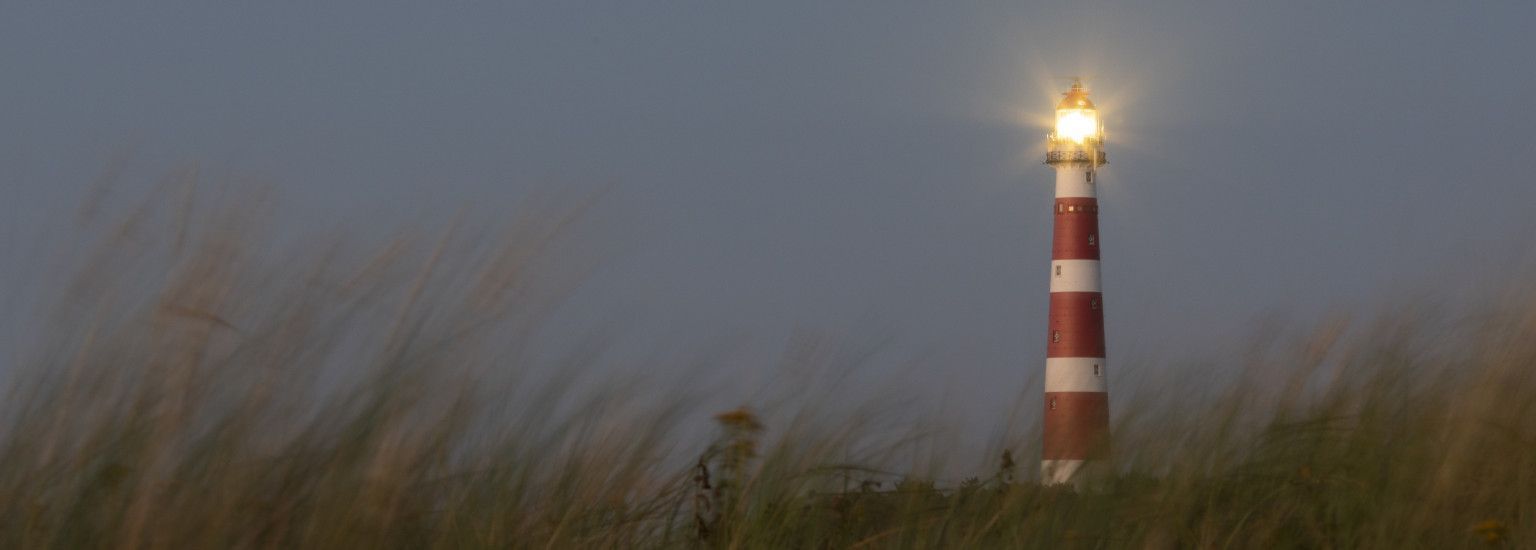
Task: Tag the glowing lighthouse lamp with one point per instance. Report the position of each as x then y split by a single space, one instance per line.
1076 421
1078 124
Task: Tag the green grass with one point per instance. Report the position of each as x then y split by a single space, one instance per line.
203 388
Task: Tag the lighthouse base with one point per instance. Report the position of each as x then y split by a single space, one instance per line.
1082 475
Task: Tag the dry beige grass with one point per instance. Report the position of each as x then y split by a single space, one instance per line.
199 390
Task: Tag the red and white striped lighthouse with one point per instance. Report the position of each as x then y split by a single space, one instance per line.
1076 426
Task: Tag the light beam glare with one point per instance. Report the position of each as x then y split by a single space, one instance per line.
1077 124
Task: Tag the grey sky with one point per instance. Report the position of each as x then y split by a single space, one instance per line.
854 167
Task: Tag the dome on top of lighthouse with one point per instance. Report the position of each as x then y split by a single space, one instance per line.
1076 98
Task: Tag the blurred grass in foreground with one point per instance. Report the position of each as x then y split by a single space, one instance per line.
197 389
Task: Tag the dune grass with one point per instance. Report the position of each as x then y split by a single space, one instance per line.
200 387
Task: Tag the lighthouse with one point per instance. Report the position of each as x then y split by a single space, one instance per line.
1076 421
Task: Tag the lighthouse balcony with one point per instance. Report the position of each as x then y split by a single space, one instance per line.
1075 155
1066 150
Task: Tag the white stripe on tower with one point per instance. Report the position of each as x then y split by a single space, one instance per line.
1075 374
1072 182
1075 276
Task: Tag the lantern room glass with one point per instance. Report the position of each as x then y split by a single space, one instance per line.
1077 125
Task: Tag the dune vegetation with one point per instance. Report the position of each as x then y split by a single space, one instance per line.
200 386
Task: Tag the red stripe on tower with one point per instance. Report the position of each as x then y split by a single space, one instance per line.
1076 422
1076 325
1076 229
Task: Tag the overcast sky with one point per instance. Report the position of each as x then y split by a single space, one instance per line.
863 168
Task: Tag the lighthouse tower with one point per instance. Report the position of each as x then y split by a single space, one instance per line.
1076 426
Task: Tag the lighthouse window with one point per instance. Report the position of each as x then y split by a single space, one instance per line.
1091 240
1090 177
1053 403
1096 369
1060 208
1055 336
1058 271
1094 303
